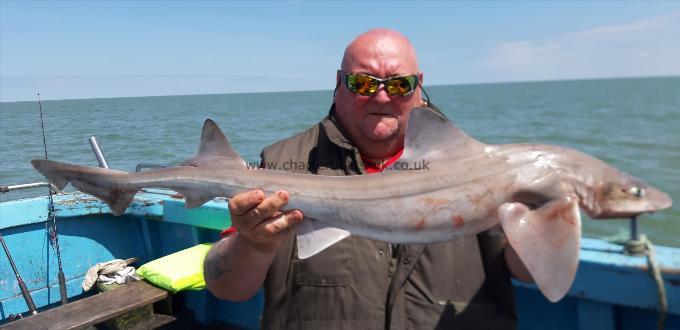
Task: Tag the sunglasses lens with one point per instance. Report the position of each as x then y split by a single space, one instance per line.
366 85
401 85
361 84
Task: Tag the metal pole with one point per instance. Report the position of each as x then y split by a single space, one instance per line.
98 152
634 246
634 236
5 189
22 285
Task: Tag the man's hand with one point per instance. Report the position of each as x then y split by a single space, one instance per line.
244 258
258 219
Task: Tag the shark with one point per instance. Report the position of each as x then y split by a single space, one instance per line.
533 191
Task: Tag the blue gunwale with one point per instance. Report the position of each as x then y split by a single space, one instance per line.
611 291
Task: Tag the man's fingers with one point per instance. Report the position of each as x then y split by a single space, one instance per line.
275 225
250 209
243 203
267 208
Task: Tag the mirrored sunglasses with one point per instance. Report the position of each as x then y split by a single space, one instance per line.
366 85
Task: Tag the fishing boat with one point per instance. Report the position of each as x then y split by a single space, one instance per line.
613 289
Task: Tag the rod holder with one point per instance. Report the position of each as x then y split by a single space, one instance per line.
98 152
634 246
634 235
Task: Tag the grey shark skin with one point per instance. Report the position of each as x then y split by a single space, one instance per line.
533 191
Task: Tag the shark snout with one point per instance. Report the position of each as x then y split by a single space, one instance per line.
660 200
627 200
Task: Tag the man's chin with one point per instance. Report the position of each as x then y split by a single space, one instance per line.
380 127
378 133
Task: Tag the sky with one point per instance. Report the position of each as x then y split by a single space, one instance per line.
75 50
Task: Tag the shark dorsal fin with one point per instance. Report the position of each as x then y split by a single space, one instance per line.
214 142
431 136
215 149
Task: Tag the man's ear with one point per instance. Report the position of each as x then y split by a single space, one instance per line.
420 78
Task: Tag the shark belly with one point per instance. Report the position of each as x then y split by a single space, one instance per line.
433 216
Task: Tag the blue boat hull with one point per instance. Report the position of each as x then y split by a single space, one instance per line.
611 290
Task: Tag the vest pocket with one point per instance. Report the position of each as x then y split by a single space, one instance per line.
330 267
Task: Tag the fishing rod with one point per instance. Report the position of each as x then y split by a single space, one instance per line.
22 285
54 237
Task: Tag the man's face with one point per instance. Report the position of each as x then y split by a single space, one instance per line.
378 117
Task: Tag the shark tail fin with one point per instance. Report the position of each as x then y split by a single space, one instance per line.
99 182
215 151
547 241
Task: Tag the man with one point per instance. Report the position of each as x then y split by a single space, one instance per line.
360 283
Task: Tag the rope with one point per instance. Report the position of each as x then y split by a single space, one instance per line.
655 273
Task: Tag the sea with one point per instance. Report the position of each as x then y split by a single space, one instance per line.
633 124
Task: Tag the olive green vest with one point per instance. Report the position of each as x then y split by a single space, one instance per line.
361 284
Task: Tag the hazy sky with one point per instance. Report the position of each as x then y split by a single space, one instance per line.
110 49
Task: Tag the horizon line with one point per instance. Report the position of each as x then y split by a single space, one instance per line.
330 90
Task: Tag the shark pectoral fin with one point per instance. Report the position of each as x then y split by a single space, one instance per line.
314 236
547 241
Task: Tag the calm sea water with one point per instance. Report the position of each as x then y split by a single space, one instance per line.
634 124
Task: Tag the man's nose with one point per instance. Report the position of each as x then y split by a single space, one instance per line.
381 95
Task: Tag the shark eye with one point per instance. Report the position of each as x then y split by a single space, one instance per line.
636 191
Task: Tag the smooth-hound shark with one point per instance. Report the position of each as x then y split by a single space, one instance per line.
534 191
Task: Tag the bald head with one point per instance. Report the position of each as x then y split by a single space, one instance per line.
383 47
376 123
